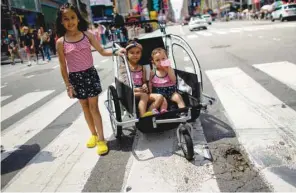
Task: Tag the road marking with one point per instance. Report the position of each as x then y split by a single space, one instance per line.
30 76
186 59
276 39
203 33
55 66
192 36
5 97
219 32
67 161
235 30
281 71
264 117
105 60
32 124
22 103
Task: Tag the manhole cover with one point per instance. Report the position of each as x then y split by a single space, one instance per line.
221 46
38 72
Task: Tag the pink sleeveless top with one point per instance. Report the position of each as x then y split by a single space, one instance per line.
78 54
137 77
162 81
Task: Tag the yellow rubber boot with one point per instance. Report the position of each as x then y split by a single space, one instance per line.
92 142
102 147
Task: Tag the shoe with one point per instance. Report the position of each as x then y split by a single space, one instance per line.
92 142
149 113
163 111
155 111
102 147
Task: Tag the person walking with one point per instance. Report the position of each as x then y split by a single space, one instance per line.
45 41
13 49
77 68
28 43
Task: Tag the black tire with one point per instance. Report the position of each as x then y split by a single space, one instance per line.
113 98
205 28
281 18
187 148
210 23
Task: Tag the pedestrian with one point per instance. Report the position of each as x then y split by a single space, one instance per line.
45 41
52 45
38 45
13 49
102 31
28 43
78 71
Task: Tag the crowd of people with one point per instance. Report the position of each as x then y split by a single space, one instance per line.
32 42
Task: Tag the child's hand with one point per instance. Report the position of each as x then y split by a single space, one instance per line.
145 88
70 92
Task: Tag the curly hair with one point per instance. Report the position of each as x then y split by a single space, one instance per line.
60 29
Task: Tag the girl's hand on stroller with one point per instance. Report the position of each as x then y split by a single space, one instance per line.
120 52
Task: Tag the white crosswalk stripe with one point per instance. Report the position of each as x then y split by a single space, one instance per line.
26 128
22 103
3 98
203 33
282 71
65 164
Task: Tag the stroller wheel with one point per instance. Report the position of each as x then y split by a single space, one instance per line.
114 107
186 143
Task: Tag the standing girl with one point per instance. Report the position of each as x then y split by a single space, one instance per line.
163 79
82 80
138 73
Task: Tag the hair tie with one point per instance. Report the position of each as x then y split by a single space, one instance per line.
132 45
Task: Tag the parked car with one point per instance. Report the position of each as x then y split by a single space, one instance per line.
208 18
284 12
197 22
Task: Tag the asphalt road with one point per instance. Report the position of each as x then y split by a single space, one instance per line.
32 134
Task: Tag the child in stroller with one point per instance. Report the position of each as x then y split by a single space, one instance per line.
138 73
163 79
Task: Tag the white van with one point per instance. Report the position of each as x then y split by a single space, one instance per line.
284 12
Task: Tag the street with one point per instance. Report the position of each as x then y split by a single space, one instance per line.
248 66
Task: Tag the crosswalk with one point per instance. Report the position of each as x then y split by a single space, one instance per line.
261 120
213 31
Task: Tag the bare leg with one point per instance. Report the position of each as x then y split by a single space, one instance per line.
176 97
96 115
142 103
164 105
157 101
88 116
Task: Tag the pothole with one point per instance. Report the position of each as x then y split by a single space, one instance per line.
220 46
236 159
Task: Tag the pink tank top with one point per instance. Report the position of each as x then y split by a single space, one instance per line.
78 54
162 81
137 77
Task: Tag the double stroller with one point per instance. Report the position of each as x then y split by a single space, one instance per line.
122 104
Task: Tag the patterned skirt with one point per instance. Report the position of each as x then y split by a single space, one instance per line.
86 83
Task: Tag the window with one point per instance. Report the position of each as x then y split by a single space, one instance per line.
292 6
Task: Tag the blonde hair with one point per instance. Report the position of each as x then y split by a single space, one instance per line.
157 51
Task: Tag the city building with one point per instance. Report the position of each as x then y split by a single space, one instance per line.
49 9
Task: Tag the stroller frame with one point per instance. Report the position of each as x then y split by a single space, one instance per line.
121 103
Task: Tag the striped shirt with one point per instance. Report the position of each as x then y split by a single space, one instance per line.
78 54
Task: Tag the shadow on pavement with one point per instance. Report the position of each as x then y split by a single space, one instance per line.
19 158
